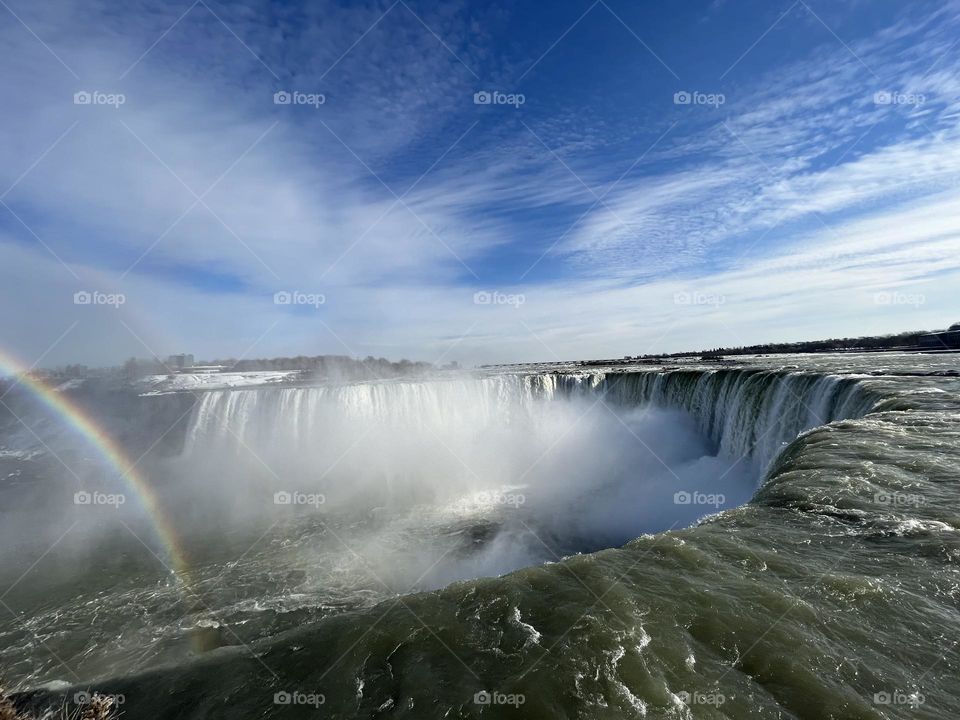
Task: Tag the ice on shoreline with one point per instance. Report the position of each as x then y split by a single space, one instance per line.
159 384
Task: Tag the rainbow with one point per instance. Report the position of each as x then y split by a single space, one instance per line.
107 448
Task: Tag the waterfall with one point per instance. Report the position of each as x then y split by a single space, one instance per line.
501 466
745 412
301 415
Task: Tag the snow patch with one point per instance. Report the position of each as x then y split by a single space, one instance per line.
159 384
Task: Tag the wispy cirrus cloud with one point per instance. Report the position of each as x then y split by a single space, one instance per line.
399 198
838 134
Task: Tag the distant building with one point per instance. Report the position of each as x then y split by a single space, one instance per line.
946 340
179 362
203 369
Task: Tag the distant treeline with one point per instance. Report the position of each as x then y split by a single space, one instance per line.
881 342
331 366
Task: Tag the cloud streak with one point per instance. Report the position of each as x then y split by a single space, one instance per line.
398 198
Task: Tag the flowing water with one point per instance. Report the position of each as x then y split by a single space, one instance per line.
772 539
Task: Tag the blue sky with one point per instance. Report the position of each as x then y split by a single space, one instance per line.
650 177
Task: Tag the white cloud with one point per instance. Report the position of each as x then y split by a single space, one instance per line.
296 203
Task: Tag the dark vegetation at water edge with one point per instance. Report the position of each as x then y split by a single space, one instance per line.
86 707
